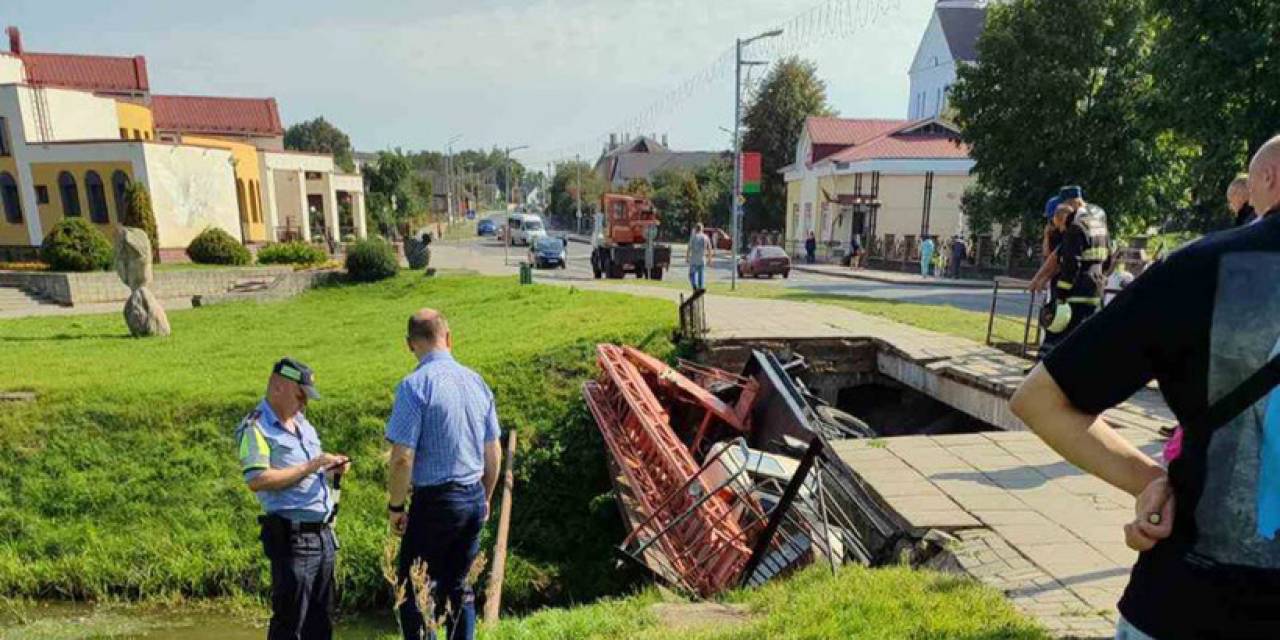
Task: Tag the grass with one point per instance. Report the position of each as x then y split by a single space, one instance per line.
121 480
889 604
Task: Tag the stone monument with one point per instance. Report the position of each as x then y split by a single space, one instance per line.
142 312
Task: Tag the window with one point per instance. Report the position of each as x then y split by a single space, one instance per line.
4 137
240 201
124 134
42 194
97 198
313 175
137 135
119 185
9 194
70 195
255 201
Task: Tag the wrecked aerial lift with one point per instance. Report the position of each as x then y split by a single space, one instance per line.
728 480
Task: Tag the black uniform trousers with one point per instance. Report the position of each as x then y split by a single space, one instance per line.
302 584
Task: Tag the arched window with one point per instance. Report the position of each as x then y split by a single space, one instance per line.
97 198
9 193
240 201
70 194
255 200
119 185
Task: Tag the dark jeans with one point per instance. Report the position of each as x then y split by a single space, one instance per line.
301 582
444 532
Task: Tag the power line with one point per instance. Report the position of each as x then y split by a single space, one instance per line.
828 20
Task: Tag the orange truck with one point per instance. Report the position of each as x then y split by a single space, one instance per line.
625 239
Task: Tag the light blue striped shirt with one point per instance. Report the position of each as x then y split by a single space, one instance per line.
444 412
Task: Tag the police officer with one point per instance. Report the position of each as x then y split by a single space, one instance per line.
1083 253
284 464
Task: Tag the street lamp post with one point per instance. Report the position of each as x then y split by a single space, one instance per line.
448 178
577 179
506 245
737 200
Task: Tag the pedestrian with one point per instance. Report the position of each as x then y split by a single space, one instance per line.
1080 281
1238 201
926 255
855 252
697 253
444 433
810 249
1051 237
286 467
1204 324
959 252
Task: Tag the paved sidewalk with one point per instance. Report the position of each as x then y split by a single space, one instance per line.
888 277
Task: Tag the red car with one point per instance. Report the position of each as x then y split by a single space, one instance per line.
765 261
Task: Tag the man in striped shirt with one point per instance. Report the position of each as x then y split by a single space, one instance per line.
444 433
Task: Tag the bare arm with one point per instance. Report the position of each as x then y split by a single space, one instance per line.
492 467
278 479
1084 440
399 474
1047 271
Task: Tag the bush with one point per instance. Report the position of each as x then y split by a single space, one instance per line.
291 253
215 246
138 214
371 260
74 245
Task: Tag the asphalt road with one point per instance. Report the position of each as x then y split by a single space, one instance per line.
579 268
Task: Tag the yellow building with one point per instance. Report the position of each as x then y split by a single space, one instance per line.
888 183
75 130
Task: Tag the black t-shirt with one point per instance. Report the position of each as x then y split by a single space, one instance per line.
1245 215
1200 322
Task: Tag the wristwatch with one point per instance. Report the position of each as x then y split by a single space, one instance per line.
395 509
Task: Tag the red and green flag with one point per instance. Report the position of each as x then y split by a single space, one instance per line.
751 172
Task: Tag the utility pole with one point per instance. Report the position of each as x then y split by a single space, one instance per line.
577 168
510 192
448 178
737 199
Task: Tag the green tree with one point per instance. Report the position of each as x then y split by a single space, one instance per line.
715 181
774 119
138 214
398 196
1218 90
319 136
1058 99
639 187
564 189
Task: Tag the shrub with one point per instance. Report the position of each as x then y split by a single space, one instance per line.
74 245
138 214
371 260
215 246
291 253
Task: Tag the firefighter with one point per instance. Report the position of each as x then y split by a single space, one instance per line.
1082 258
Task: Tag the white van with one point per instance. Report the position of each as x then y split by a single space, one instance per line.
524 228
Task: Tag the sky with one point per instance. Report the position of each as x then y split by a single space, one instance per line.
556 75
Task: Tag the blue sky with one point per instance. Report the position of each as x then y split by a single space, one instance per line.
553 74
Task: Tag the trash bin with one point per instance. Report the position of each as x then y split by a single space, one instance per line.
526 273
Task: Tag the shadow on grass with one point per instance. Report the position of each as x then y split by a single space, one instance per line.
63 337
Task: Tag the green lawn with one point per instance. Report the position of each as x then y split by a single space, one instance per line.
888 604
122 479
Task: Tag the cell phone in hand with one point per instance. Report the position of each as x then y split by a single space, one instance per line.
345 460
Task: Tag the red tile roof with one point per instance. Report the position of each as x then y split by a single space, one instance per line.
91 73
202 114
848 131
925 147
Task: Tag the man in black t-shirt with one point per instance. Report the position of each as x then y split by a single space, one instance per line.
1200 323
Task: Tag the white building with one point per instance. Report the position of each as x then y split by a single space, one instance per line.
949 41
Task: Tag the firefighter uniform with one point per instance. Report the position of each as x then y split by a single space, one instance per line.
296 528
1078 287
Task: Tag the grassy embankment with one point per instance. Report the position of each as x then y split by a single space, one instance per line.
122 479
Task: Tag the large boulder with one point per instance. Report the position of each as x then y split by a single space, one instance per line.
144 315
133 257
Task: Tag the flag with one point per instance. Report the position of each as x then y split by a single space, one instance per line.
750 172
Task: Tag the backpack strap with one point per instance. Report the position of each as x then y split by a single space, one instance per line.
1188 471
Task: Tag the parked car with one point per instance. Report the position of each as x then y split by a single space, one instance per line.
766 260
547 252
720 240
486 227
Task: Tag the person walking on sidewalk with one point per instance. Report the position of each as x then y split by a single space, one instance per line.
959 252
698 253
926 255
1203 323
811 249
444 433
